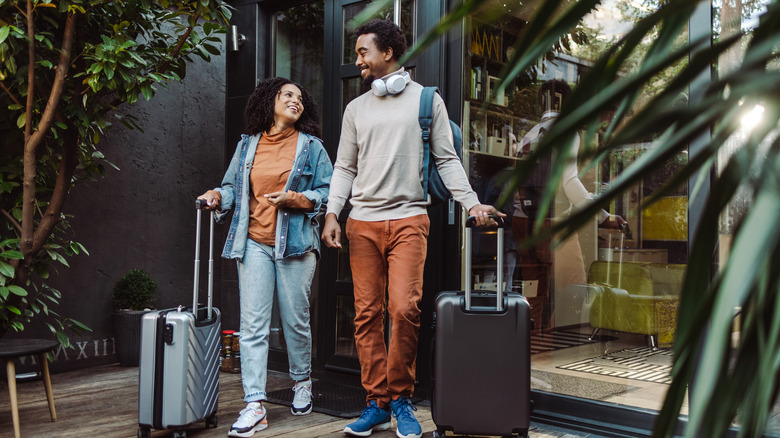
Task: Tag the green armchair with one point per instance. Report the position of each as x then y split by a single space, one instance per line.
636 297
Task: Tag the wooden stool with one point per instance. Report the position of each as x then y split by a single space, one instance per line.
13 348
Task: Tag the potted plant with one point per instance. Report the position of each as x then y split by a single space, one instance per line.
133 295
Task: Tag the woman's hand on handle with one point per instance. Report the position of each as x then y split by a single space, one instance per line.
212 199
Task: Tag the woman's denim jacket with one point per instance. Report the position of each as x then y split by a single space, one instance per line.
297 231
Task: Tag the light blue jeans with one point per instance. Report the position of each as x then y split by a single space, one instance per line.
259 276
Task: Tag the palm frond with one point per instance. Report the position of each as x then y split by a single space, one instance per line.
729 384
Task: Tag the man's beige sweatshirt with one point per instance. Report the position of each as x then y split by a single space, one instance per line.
380 158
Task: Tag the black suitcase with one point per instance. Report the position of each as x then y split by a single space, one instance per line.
178 381
482 358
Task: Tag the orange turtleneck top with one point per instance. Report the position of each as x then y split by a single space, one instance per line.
272 165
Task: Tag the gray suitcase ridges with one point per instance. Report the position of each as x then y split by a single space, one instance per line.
199 385
203 373
190 370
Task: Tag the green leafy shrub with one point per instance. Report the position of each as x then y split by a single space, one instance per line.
135 290
68 71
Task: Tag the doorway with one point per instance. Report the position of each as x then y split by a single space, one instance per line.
311 43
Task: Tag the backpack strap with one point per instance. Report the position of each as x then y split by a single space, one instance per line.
426 119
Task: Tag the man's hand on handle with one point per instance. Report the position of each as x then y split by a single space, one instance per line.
481 213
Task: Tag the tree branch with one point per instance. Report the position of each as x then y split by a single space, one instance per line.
179 46
11 95
59 80
30 241
21 11
30 72
12 219
29 169
62 186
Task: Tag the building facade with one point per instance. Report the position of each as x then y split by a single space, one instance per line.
597 352
604 303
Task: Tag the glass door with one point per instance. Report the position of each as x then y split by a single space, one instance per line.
298 56
347 84
604 301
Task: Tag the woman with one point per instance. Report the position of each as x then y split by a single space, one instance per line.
277 184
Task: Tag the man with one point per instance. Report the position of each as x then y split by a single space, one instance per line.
379 164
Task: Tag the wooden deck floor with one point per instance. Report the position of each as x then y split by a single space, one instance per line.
102 402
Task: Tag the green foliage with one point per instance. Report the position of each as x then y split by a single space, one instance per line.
50 129
40 300
134 290
734 383
36 300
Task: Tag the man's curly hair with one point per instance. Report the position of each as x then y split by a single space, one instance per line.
259 111
388 36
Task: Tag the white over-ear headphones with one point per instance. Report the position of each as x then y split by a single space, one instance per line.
392 85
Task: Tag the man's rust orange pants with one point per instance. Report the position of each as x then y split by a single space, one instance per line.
387 255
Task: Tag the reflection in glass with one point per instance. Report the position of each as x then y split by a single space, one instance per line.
729 18
345 326
299 54
352 11
606 298
350 89
296 54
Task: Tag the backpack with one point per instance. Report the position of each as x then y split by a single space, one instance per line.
432 183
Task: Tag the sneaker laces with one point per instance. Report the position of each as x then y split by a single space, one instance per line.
257 410
368 410
404 409
302 391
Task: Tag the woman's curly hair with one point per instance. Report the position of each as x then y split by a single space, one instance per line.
388 36
259 111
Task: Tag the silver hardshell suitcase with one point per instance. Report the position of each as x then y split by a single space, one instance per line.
482 358
178 381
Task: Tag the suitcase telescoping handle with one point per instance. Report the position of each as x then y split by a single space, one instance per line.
199 204
471 223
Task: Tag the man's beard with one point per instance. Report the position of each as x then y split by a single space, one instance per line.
368 80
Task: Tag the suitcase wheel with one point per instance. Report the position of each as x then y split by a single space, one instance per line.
144 432
212 422
179 434
438 433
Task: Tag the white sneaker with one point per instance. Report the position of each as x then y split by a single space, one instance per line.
250 420
301 404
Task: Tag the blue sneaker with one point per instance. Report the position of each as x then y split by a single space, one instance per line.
372 418
408 427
